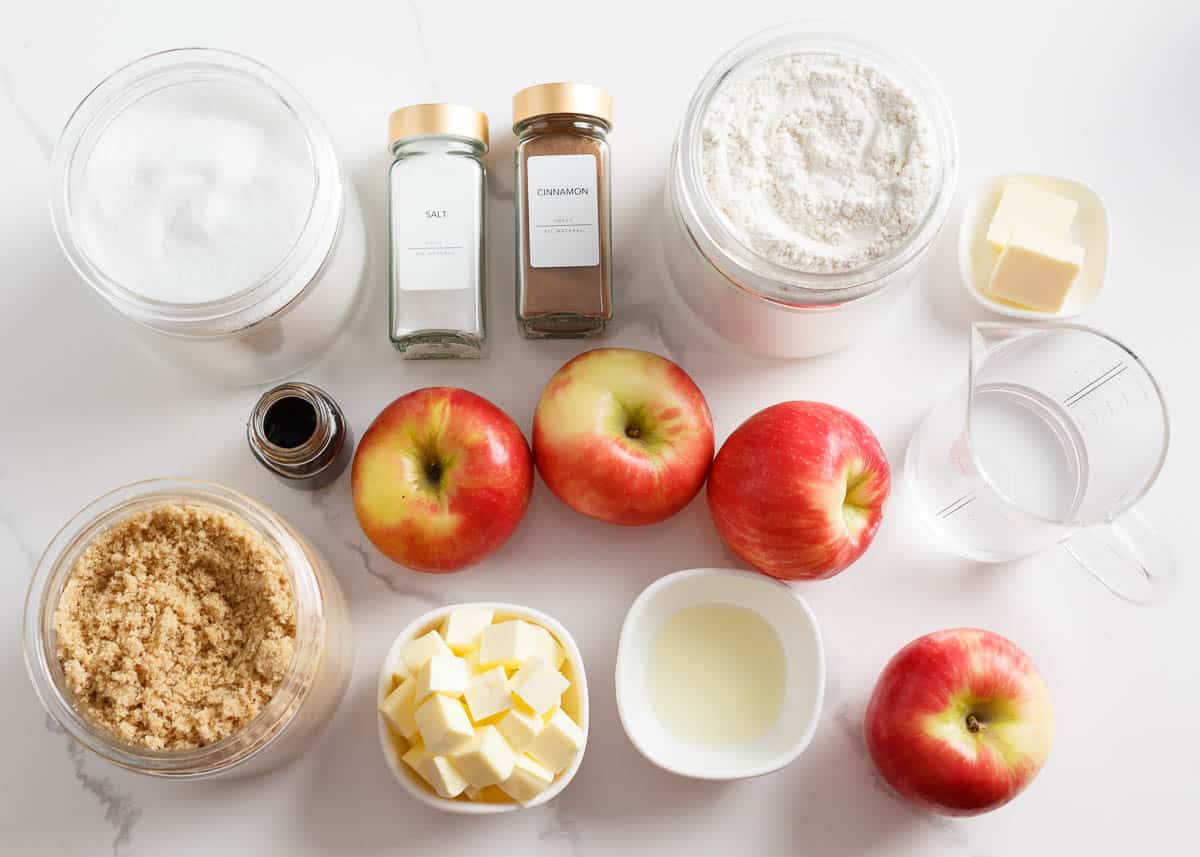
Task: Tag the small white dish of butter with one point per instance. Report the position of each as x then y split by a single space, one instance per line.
720 674
483 708
1034 246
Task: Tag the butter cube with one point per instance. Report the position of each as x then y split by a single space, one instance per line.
1036 269
1024 203
548 648
444 724
461 629
399 672
550 651
445 779
512 643
539 685
416 652
528 780
487 694
488 760
519 728
489 794
441 674
416 756
399 708
557 745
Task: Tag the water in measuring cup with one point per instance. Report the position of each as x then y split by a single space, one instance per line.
1030 449
1033 456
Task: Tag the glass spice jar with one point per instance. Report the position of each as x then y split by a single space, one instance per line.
437 206
564 211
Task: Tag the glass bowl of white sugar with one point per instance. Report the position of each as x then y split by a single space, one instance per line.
199 196
811 174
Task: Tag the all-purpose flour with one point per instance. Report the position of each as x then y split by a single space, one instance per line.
818 162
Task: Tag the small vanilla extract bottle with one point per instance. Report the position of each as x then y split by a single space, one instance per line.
437 213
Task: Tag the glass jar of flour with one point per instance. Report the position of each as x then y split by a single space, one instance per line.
200 197
809 178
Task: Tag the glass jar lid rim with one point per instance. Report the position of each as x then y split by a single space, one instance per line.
548 99
437 119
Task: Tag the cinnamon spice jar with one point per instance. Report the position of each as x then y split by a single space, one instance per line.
564 214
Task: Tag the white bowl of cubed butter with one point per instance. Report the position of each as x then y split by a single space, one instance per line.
1034 247
483 708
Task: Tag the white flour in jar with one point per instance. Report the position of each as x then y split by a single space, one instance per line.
818 162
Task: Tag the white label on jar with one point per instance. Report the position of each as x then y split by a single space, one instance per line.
434 227
564 231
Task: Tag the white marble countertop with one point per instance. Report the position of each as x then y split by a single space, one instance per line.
1107 96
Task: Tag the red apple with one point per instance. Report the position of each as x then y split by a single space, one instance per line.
798 490
441 479
622 435
960 721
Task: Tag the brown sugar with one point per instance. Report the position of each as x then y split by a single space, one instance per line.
176 626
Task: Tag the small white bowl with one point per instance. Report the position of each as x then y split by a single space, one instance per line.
574 702
977 259
804 655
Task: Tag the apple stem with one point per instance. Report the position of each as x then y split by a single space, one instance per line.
633 432
974 724
433 471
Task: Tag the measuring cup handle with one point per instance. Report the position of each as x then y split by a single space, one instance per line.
1128 556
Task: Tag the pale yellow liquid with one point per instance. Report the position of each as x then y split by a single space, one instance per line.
716 674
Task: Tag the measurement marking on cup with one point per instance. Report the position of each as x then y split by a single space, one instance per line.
957 506
1095 384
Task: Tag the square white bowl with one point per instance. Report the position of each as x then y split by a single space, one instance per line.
977 258
804 655
575 703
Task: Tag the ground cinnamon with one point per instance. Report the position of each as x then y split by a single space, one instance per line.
564 276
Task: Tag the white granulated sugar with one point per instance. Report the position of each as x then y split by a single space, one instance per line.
818 162
195 192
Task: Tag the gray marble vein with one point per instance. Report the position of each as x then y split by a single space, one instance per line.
562 826
396 581
44 141
426 65
119 809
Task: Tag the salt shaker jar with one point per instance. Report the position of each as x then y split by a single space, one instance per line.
437 212
564 212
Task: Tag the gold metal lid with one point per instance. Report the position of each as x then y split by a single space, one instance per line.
423 120
548 98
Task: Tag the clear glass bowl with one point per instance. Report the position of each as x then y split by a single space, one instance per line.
757 304
309 694
284 316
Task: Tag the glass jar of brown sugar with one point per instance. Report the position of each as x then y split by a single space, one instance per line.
564 211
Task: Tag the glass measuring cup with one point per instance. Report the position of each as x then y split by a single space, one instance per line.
1057 433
